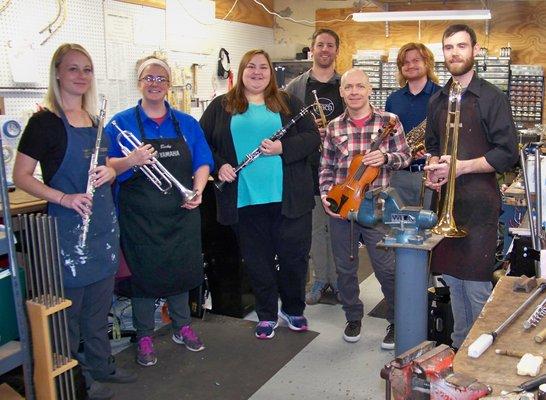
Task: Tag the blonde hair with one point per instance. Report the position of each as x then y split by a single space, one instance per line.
53 100
428 59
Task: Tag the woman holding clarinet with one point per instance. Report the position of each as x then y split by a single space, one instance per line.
268 203
62 138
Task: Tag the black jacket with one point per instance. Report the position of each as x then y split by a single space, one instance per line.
298 143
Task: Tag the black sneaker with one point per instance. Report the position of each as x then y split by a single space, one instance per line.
388 340
98 391
352 331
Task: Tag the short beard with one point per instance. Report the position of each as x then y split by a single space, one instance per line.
325 65
461 70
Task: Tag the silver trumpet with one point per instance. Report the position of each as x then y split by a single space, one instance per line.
155 172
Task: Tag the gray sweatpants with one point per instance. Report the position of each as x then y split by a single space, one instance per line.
408 187
321 260
383 264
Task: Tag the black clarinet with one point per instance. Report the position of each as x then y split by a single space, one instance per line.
250 157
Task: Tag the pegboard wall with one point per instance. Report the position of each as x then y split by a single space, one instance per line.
114 57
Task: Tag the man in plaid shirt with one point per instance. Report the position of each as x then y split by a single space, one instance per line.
352 133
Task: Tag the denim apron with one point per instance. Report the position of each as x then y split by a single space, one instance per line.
99 258
161 241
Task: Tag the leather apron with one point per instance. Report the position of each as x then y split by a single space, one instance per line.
476 206
99 258
161 240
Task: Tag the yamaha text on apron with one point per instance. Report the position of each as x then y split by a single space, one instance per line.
160 239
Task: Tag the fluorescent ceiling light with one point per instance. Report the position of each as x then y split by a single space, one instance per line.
436 15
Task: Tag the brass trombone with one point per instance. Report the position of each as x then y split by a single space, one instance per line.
446 225
155 172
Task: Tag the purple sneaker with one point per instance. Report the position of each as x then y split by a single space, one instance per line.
145 353
295 322
187 337
265 329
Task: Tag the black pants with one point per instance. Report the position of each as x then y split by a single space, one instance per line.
264 232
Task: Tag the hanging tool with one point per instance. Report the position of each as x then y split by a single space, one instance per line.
56 24
485 340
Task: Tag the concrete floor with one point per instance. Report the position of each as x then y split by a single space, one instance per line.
329 367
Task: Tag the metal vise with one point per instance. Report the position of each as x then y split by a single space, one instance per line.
408 223
425 372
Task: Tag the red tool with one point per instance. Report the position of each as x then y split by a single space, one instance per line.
425 372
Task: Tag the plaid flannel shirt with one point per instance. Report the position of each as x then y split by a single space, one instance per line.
344 140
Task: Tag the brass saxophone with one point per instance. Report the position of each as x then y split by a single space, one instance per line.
416 138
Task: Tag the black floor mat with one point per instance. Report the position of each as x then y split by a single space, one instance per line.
233 366
380 310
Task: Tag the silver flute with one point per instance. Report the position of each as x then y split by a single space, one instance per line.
536 316
91 177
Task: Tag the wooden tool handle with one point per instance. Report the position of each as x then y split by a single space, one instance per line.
509 353
539 338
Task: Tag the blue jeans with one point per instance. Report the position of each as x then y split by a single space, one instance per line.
467 301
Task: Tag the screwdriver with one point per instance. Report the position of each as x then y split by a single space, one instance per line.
529 385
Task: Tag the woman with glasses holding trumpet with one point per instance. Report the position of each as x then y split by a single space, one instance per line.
269 202
163 162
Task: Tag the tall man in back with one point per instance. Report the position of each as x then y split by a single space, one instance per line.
351 134
486 144
323 78
418 80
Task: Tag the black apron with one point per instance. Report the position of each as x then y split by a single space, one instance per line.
161 241
476 205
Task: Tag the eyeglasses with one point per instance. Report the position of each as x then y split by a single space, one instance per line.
157 79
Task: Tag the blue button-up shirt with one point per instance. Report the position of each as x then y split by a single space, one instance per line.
410 108
191 130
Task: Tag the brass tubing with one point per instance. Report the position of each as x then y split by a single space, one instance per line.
446 225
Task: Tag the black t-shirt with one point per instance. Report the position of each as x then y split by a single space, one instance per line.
44 139
329 97
332 105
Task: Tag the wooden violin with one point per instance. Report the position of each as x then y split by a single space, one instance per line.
347 196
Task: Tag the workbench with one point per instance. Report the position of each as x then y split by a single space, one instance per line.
499 371
20 202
